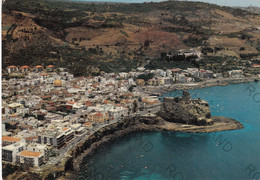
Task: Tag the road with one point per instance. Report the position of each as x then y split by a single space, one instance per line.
64 150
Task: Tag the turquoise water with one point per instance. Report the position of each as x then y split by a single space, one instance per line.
170 155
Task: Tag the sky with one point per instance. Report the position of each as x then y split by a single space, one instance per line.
234 2
219 2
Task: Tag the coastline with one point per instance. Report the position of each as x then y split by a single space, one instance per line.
129 126
159 90
171 126
87 146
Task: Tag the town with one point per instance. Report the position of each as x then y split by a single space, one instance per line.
47 111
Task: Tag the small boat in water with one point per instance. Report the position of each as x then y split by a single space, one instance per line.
256 80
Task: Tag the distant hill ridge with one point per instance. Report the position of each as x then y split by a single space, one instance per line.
252 9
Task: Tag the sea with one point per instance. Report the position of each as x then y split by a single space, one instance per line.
226 155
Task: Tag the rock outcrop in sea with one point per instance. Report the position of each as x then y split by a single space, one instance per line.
186 110
176 114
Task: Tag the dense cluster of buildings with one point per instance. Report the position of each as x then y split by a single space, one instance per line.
47 109
44 111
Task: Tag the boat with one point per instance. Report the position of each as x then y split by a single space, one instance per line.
256 80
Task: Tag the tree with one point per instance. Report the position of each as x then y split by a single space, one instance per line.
135 106
146 43
131 88
146 77
163 55
43 106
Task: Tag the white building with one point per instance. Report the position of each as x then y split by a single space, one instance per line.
35 147
117 112
218 75
53 138
30 158
160 72
68 132
193 71
131 82
235 73
9 152
169 72
141 69
123 75
14 107
182 78
12 69
75 127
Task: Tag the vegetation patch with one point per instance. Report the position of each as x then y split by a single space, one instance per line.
124 33
162 64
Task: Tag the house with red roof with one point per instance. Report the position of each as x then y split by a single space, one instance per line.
50 68
35 147
256 66
24 68
12 69
98 116
6 140
30 158
88 125
38 68
69 105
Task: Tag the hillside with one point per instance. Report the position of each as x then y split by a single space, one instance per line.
252 9
119 37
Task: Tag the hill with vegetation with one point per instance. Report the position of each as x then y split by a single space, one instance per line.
91 37
252 9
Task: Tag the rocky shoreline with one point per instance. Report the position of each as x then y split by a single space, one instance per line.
176 114
71 163
70 166
128 126
158 90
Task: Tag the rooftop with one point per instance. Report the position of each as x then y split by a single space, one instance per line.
30 154
11 66
87 124
12 147
65 129
71 102
256 65
10 139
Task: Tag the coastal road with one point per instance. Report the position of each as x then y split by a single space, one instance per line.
64 150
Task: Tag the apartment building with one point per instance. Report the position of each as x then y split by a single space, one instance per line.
30 158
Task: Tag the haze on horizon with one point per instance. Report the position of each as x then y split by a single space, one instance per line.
241 3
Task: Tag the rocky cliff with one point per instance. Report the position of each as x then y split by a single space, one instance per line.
186 110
